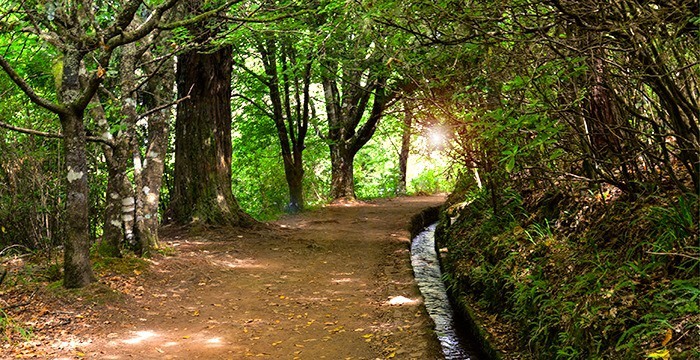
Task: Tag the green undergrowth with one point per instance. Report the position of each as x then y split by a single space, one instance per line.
581 277
126 265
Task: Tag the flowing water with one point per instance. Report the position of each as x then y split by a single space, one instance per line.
426 269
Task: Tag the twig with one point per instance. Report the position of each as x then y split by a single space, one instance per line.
52 135
676 254
13 246
159 108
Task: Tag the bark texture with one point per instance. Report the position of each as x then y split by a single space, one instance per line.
159 90
76 252
203 141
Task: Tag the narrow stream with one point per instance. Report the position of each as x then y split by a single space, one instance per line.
426 269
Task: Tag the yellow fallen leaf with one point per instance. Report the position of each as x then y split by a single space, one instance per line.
667 337
79 354
391 355
367 336
186 337
137 272
195 313
661 354
276 343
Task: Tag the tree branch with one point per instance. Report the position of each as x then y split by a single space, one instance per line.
164 106
27 89
256 105
51 135
197 18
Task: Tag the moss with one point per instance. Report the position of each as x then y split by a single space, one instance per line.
121 266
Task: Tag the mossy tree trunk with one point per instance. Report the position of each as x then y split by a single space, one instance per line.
158 92
76 252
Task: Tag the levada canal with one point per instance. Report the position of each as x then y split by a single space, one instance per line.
426 269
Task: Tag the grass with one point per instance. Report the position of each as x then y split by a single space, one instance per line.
592 282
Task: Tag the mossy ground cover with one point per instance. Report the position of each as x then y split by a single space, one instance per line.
594 276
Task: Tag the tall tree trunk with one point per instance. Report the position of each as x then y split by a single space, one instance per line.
289 112
148 196
294 173
405 146
76 253
112 231
342 179
203 141
345 134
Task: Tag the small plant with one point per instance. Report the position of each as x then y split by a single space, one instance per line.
9 328
539 231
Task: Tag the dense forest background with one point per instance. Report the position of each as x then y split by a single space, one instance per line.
571 124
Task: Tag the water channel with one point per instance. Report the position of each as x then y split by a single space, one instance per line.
426 269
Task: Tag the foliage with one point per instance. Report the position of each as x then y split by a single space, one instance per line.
573 284
9 327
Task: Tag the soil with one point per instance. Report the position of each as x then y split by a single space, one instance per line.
318 285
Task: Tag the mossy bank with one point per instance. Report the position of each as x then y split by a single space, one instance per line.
592 276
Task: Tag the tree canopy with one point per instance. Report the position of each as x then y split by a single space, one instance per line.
119 116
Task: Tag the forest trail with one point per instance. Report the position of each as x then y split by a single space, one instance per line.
310 286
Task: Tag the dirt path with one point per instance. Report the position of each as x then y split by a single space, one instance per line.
314 286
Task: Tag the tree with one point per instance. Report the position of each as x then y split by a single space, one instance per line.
158 93
203 133
405 145
355 77
287 56
86 38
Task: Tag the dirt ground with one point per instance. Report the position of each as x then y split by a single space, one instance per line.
335 283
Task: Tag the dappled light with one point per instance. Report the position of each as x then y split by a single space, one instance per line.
343 280
328 180
402 300
239 264
141 336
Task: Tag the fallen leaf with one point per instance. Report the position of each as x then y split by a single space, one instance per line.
667 337
661 354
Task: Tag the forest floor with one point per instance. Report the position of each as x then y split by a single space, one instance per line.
317 285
